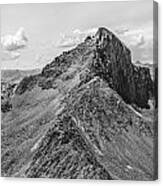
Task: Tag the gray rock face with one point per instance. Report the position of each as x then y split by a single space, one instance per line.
112 62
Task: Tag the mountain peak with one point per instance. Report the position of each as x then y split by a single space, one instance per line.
103 33
104 56
103 30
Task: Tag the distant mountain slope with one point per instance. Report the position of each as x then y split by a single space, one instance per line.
13 76
86 115
9 81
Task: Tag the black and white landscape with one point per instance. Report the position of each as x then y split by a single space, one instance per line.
90 112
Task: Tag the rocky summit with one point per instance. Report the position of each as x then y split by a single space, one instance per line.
88 115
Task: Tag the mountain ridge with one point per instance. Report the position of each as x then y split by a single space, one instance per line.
82 117
113 59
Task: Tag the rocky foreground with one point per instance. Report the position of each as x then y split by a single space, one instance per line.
88 114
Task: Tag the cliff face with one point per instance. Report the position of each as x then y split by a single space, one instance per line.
113 63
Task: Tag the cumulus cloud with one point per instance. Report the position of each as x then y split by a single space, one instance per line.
75 37
135 37
14 42
11 44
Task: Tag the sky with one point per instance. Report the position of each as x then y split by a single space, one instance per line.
32 35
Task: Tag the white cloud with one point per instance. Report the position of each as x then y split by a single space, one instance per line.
136 40
12 43
75 37
140 41
135 37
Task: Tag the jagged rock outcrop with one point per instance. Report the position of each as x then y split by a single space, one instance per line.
27 83
7 91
